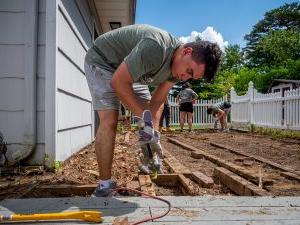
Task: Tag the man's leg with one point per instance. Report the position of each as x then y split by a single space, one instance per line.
161 122
190 120
182 118
222 122
167 116
104 147
105 141
225 120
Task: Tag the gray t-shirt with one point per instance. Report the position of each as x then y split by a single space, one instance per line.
187 95
146 50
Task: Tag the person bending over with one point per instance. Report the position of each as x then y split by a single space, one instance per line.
220 112
120 65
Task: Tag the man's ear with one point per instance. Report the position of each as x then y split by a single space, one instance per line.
187 51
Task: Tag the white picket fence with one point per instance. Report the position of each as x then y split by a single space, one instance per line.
267 110
200 116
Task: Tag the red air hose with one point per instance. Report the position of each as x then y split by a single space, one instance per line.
151 196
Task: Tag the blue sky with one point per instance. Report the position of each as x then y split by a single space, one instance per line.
228 20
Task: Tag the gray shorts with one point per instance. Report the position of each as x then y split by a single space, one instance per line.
103 96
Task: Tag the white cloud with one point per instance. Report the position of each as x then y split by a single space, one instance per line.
209 34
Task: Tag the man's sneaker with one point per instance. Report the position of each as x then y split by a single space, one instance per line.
104 192
226 130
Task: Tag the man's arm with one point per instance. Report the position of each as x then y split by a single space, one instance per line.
122 84
220 114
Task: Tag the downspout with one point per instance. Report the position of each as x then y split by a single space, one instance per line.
30 83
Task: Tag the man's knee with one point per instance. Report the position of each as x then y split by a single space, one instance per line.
108 120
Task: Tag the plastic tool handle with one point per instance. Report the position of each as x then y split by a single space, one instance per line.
90 216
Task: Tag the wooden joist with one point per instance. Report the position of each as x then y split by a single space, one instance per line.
238 184
146 184
202 179
230 166
196 153
290 176
186 186
257 158
166 179
143 184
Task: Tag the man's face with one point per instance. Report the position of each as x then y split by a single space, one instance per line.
185 68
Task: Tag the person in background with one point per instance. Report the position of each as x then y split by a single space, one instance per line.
185 99
165 116
220 112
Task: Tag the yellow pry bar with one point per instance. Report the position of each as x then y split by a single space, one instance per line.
90 216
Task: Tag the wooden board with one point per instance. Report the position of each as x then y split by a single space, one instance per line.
290 176
257 158
187 188
238 184
203 210
146 184
166 179
202 179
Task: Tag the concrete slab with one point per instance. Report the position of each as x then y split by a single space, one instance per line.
203 210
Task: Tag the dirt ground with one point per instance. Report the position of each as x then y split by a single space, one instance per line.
82 167
284 152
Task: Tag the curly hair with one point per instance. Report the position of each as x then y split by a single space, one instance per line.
208 53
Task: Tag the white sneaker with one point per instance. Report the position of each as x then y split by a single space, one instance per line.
104 192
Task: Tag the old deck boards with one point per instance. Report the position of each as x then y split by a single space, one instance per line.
238 184
203 210
258 158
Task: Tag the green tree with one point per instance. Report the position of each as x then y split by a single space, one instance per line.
243 77
286 17
232 58
275 48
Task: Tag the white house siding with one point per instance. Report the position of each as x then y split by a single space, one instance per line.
74 120
17 56
63 123
12 72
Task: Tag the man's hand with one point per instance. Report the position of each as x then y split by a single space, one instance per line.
152 150
145 124
155 145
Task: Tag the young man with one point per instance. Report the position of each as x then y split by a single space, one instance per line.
165 115
220 111
186 98
118 67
